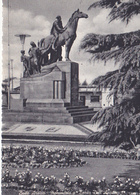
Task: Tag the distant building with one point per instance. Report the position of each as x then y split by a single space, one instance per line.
94 98
107 100
4 94
15 94
4 98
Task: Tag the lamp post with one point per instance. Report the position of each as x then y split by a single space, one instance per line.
12 72
22 39
8 56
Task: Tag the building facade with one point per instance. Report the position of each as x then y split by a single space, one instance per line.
94 98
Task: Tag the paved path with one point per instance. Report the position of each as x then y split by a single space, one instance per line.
39 131
45 129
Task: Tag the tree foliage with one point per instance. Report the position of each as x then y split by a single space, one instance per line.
84 83
117 46
121 122
119 9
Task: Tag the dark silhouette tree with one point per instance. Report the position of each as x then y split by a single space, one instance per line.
121 122
84 83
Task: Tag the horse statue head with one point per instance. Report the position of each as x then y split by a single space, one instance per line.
75 17
78 14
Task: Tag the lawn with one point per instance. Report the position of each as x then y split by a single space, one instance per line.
95 167
46 164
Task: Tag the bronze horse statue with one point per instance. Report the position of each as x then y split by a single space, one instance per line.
66 38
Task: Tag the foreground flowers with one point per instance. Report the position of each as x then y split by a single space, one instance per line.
35 157
25 181
29 157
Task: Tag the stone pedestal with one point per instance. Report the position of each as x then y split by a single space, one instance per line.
51 97
58 81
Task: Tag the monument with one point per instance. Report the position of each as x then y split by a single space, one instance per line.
49 87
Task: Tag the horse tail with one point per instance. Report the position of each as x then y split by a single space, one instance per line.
38 43
41 42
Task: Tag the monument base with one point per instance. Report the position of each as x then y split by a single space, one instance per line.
56 81
56 114
51 97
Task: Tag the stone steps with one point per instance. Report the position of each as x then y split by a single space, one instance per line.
46 110
73 108
80 110
59 110
81 113
58 114
44 105
64 118
83 117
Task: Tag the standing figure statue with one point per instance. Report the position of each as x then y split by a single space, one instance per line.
31 63
34 57
27 65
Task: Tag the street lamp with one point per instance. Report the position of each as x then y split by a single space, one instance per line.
22 38
12 72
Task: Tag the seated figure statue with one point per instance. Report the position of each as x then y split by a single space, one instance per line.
56 29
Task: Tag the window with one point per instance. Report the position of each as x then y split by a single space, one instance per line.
94 98
83 99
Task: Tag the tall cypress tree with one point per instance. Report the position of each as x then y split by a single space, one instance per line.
121 122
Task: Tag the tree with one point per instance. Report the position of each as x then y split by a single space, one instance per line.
5 83
84 83
121 122
11 78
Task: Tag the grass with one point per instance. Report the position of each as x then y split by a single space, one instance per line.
95 167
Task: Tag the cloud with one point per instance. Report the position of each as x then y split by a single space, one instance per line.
90 71
21 22
84 27
102 26
99 24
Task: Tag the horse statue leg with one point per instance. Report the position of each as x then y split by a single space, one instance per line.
68 46
53 56
59 53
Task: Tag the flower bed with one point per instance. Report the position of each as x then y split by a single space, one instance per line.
109 154
40 157
35 157
25 182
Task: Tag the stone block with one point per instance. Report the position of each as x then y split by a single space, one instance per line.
16 104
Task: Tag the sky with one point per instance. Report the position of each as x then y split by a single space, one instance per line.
35 17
